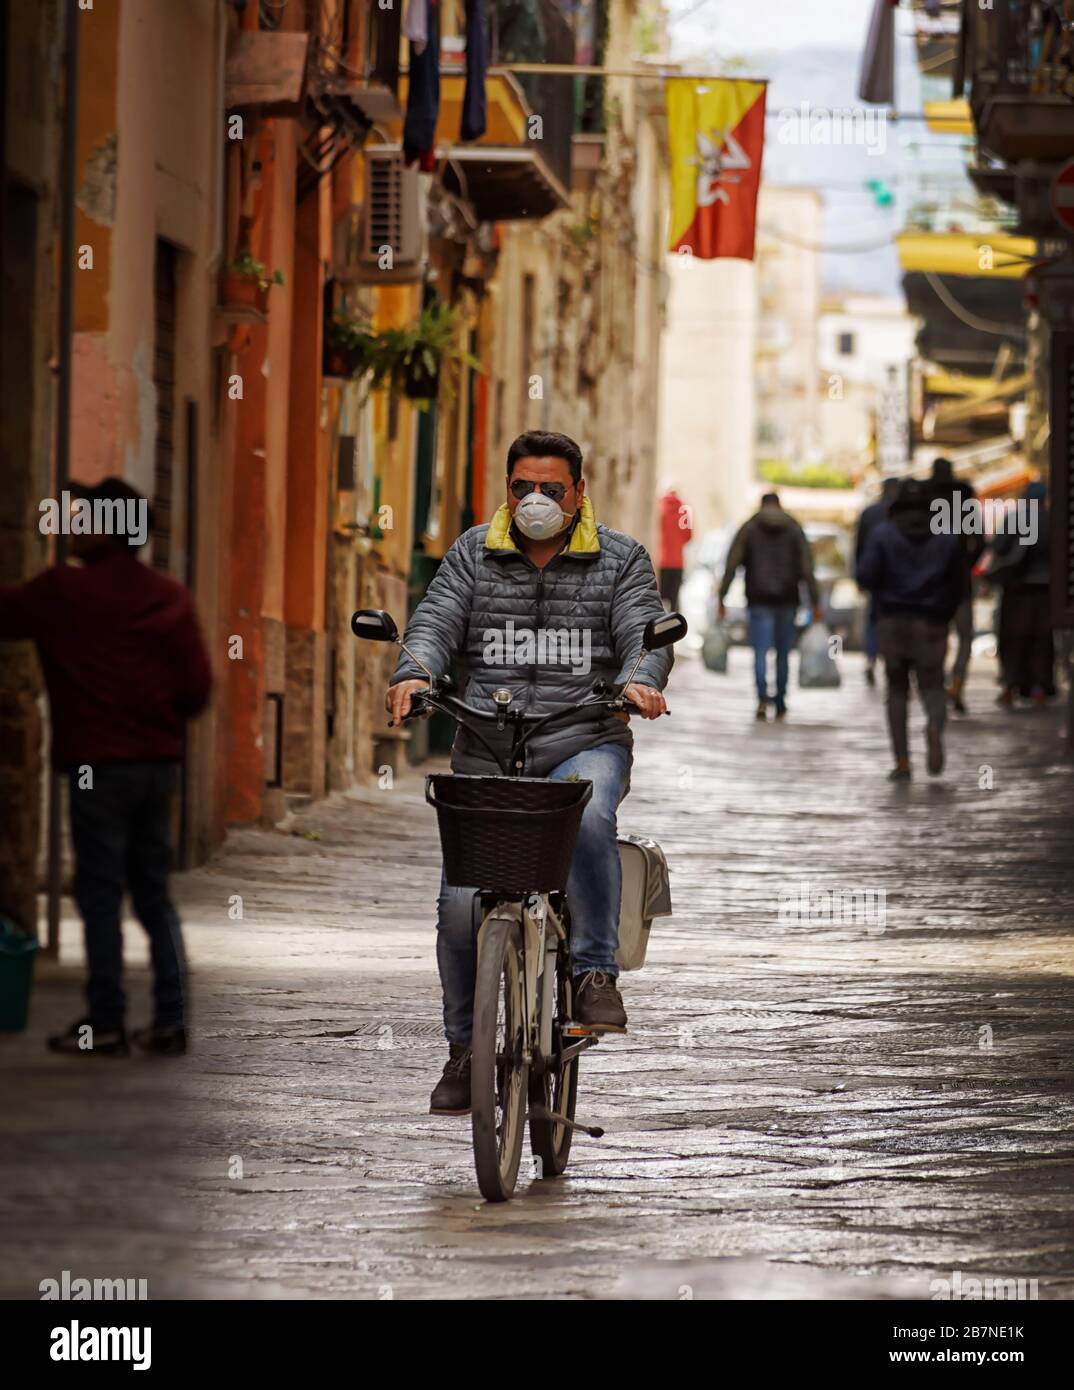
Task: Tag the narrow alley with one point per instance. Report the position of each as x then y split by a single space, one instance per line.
803 1107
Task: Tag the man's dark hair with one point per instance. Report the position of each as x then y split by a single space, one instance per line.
771 499
888 491
116 490
542 444
912 496
943 470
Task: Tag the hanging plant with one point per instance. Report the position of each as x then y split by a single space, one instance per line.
420 360
245 283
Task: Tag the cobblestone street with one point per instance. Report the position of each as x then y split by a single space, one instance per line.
802 1107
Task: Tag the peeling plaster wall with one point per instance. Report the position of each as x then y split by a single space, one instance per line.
150 149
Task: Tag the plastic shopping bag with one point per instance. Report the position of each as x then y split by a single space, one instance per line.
714 648
816 665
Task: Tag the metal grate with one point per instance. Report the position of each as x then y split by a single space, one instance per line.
385 220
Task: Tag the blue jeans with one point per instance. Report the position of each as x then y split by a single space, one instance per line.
771 627
594 889
121 833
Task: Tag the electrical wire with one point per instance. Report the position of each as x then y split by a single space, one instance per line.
804 245
971 320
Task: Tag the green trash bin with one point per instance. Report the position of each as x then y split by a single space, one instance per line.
17 951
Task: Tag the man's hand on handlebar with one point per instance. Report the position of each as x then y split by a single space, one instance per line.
650 703
399 697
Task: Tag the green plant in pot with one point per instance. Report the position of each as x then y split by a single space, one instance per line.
352 348
421 359
429 357
246 281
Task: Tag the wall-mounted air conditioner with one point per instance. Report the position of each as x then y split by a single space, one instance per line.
382 241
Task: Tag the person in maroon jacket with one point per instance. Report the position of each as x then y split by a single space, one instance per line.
125 666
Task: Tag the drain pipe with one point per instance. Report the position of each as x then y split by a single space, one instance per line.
68 175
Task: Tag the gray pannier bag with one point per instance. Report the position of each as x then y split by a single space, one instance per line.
646 894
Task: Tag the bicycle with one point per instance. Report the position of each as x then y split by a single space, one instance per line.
512 838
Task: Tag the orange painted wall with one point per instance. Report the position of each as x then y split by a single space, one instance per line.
307 464
98 122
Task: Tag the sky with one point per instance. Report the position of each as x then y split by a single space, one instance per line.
741 26
810 50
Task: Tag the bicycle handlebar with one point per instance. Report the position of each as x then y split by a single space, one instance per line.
451 704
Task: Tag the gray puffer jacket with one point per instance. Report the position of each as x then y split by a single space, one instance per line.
546 635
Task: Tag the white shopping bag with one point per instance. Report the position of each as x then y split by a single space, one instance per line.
816 665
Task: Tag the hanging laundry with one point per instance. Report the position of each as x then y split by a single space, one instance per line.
423 96
416 24
474 105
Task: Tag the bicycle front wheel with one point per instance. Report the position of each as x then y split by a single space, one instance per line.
499 1073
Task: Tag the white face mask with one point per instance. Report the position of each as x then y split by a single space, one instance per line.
539 518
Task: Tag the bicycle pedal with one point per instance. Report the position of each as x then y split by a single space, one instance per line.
579 1030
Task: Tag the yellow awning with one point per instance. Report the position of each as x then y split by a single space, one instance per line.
949 117
966 253
943 383
992 393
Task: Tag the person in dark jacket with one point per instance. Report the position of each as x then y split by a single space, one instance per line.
1023 568
869 520
125 667
542 601
961 499
772 549
915 575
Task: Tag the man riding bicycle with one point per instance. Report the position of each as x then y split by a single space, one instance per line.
542 601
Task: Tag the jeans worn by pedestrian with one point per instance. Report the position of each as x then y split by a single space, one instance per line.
771 626
919 645
594 890
121 835
963 625
872 640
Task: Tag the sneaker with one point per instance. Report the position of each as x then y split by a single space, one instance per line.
168 1041
954 694
1005 698
762 710
870 674
934 739
781 709
901 771
598 1005
451 1095
82 1039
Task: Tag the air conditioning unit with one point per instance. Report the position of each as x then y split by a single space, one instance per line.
382 241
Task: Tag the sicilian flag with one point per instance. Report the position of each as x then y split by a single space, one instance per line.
716 139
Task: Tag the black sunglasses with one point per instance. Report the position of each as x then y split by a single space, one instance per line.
522 487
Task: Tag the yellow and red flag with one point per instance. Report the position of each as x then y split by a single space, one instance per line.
716 139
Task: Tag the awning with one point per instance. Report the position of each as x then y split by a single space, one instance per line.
983 401
951 117
959 253
502 184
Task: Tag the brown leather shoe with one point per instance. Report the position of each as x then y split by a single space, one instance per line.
598 1005
451 1095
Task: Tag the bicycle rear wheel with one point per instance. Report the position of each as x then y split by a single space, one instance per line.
557 1090
499 1074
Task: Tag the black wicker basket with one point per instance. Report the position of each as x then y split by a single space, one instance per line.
507 835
